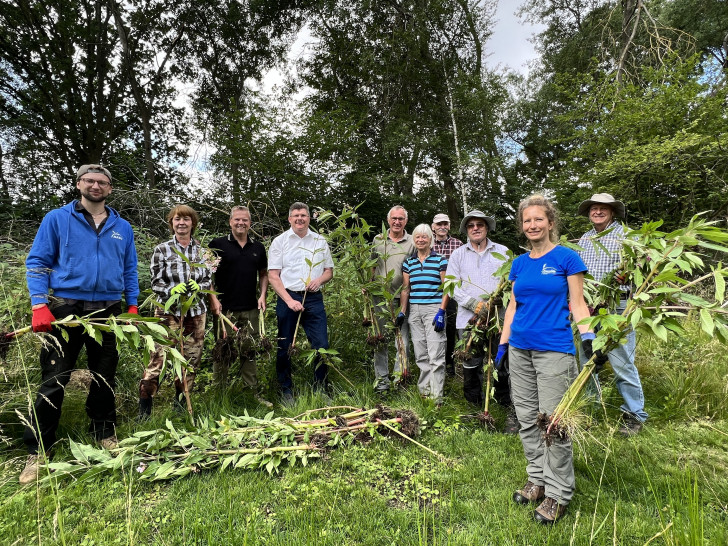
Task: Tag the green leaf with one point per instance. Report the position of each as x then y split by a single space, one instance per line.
719 285
706 322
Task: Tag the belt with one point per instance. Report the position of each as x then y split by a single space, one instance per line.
297 292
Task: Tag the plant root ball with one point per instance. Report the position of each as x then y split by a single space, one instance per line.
410 422
366 322
320 441
557 432
486 420
225 350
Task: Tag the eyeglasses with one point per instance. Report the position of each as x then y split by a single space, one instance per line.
397 219
91 182
475 225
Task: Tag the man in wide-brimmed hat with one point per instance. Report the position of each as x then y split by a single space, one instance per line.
474 264
602 209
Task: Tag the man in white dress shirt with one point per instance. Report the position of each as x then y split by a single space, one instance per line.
299 264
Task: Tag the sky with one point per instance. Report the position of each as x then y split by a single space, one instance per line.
510 45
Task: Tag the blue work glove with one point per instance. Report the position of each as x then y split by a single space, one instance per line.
399 321
439 321
501 356
586 346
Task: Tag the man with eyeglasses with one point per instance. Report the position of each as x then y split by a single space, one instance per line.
82 260
474 264
445 245
390 251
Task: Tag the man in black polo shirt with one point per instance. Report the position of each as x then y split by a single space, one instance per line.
243 266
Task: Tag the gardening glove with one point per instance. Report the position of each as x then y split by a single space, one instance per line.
439 321
42 318
180 289
501 357
399 321
192 287
481 310
586 347
133 309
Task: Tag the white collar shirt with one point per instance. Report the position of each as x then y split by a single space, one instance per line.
476 273
299 259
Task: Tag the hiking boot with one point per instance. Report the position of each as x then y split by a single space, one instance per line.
110 442
529 493
630 426
549 511
512 425
32 467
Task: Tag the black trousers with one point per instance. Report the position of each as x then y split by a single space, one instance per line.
57 361
452 334
473 376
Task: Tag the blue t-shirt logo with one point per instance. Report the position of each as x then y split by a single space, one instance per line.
546 270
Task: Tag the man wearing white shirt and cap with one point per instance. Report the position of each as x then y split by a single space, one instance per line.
299 264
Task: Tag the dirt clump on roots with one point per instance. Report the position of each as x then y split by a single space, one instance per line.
225 350
557 432
486 420
410 422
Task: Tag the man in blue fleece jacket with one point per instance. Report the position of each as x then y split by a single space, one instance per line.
82 259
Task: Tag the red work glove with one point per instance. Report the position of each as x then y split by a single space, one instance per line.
42 318
133 309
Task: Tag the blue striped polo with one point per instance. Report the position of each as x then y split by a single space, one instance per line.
425 278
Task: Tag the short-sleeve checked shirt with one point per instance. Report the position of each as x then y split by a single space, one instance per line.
595 258
447 247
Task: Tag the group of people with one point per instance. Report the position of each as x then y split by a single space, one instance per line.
83 260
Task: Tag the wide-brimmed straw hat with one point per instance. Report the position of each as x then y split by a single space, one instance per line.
490 222
602 199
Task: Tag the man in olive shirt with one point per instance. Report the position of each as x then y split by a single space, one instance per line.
390 251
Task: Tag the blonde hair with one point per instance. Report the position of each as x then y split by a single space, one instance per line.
183 210
538 200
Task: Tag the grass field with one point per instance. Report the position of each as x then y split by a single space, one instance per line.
669 485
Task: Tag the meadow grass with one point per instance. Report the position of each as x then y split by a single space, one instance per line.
669 485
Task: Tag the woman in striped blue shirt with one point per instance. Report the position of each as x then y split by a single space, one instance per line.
423 274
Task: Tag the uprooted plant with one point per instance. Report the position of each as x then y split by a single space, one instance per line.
665 271
241 442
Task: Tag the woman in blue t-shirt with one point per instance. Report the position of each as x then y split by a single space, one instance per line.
422 277
538 339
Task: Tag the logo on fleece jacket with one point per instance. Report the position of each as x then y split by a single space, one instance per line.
116 235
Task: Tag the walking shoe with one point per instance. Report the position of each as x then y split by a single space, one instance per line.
30 472
110 442
630 425
529 493
549 511
287 398
262 401
512 425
